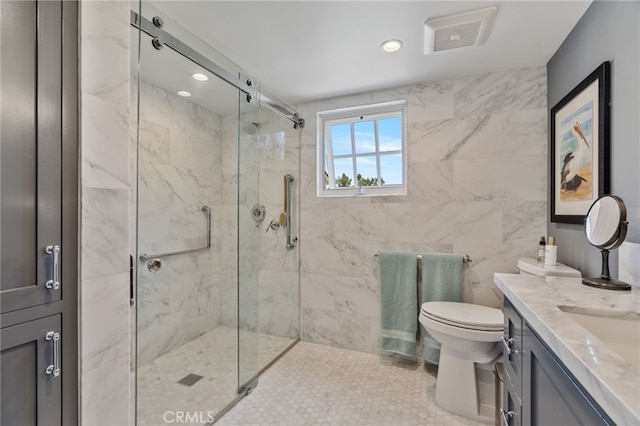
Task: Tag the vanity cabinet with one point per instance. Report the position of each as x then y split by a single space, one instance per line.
538 388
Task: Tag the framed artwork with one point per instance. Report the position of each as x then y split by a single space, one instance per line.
579 151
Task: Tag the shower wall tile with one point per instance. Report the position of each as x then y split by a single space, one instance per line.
104 232
102 340
180 170
105 130
476 184
104 35
105 394
104 49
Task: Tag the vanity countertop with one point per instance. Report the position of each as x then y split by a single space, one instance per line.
610 380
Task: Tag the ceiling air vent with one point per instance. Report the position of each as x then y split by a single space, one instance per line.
460 30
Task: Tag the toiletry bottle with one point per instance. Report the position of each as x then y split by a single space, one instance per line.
550 252
541 250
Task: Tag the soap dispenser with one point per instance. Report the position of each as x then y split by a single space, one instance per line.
541 249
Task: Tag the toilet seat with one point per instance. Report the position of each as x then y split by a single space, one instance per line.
464 315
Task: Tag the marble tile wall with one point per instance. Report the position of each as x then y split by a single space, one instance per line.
104 203
477 184
179 172
629 263
278 281
268 289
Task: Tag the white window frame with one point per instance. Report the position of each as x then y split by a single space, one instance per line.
351 115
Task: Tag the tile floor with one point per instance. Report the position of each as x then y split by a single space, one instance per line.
215 357
321 385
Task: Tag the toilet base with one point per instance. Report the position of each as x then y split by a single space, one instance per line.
467 388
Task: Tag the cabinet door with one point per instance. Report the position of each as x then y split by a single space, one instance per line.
511 414
513 345
550 396
30 395
31 135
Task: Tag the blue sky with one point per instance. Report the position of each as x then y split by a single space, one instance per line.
390 139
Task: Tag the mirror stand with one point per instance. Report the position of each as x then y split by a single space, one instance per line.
604 280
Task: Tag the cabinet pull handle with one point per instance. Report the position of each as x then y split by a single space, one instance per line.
507 343
506 415
54 368
54 282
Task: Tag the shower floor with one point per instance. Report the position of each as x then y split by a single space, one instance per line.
160 398
321 385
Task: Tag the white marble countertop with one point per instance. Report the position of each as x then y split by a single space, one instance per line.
612 382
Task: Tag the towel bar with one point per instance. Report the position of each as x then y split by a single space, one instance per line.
465 259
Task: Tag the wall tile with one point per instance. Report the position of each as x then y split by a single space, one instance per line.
522 178
104 49
104 341
514 90
629 263
105 144
104 232
477 185
180 170
105 394
337 329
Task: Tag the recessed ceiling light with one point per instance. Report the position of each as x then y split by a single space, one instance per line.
184 93
391 45
200 77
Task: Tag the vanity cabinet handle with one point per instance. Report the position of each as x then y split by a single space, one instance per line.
54 282
508 343
54 367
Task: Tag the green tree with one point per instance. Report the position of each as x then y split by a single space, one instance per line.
368 181
343 181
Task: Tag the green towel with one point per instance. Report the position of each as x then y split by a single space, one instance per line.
399 302
441 281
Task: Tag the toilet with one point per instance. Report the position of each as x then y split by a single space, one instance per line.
533 267
470 337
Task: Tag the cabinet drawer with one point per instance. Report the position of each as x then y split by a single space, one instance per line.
512 342
511 405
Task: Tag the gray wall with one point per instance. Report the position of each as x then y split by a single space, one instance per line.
608 31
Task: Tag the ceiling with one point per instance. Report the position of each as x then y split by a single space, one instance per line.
308 50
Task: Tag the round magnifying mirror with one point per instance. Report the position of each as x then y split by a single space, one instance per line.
606 228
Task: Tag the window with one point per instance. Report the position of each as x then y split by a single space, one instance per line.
362 151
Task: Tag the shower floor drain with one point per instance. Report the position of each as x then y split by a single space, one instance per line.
190 379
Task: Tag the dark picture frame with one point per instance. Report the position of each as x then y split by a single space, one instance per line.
579 149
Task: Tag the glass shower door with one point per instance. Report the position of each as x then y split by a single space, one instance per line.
279 286
186 151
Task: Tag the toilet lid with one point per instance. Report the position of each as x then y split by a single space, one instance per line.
465 315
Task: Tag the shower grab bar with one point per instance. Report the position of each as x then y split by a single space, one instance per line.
207 211
288 178
465 259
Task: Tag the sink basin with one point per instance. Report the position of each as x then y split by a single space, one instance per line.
620 330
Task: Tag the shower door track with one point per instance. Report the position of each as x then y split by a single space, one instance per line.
246 86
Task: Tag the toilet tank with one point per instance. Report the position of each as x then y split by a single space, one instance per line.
533 267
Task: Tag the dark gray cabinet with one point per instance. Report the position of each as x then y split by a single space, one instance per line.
38 217
538 388
30 367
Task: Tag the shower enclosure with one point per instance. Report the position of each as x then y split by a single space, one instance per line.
215 224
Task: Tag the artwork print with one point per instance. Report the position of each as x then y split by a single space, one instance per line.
576 154
580 147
